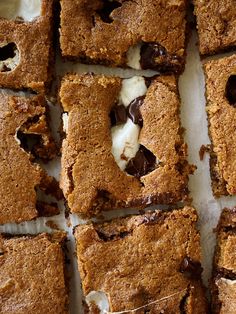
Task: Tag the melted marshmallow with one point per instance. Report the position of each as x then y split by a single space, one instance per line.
125 137
134 56
100 299
27 10
65 120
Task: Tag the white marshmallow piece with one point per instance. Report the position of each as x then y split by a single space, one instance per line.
100 299
27 10
131 89
134 56
65 119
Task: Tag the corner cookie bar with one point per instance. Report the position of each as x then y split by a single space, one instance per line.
123 143
216 24
148 262
139 34
221 109
24 137
224 270
32 274
26 47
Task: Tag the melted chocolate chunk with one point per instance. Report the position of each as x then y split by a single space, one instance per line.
156 57
143 163
106 10
191 269
134 110
118 115
231 90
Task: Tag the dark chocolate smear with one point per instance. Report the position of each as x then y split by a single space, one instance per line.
134 110
106 10
8 51
231 90
191 269
143 163
154 56
118 115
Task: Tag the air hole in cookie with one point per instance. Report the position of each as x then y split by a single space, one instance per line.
29 142
107 7
9 57
231 90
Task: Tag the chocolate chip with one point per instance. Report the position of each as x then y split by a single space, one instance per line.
107 8
231 90
118 115
191 269
154 56
143 163
134 110
8 51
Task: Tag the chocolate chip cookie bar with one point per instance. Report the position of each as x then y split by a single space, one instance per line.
32 274
24 138
221 108
26 44
139 34
123 143
216 24
148 262
224 270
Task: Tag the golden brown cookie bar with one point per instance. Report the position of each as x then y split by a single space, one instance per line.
123 143
26 52
140 34
216 24
221 108
224 270
24 136
149 261
32 274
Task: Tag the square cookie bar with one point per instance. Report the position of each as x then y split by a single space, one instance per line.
216 24
26 40
123 143
221 108
224 269
32 274
148 262
24 137
139 34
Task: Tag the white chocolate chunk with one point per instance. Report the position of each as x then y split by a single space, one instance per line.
125 143
132 88
10 63
100 299
27 10
133 57
65 119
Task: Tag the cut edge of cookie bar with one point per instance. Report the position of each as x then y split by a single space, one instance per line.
145 50
26 139
218 35
173 164
27 61
220 77
111 241
223 282
23 249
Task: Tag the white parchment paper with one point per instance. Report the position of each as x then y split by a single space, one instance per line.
193 116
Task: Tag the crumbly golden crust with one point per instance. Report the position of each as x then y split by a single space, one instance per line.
139 259
34 41
216 23
85 35
19 175
224 270
91 179
32 274
222 125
